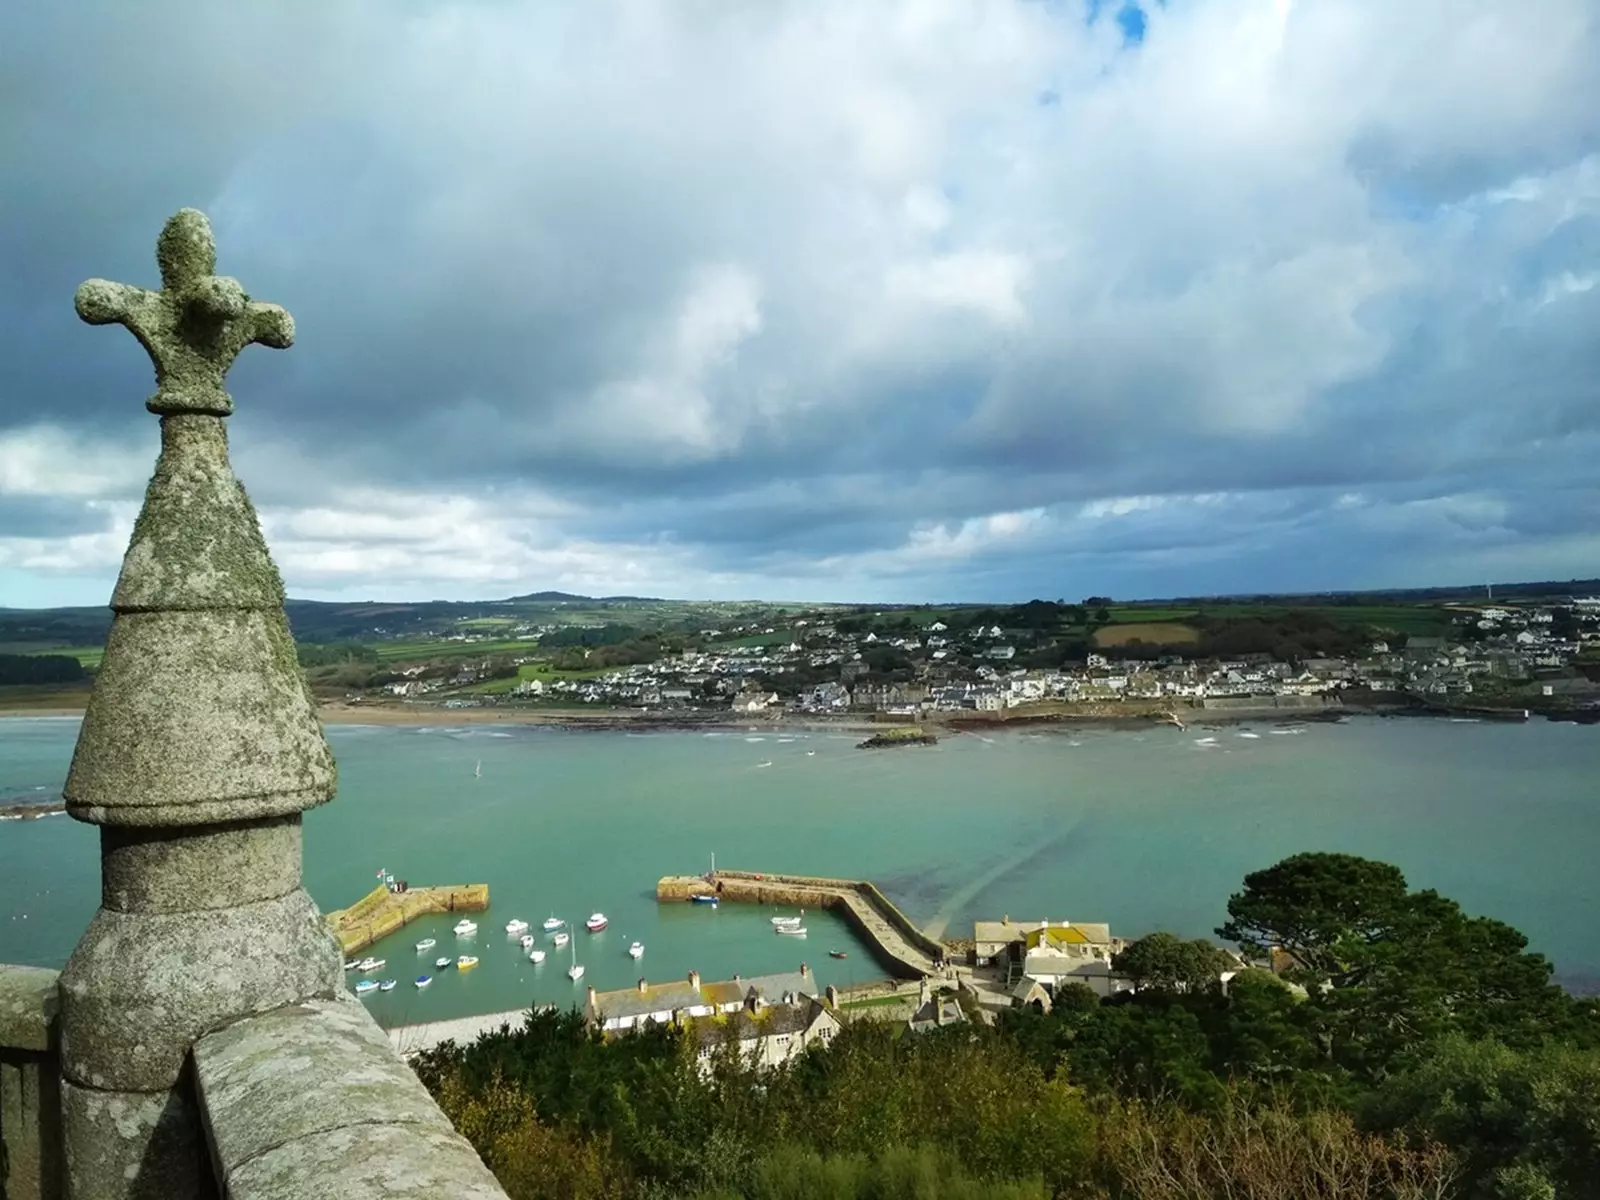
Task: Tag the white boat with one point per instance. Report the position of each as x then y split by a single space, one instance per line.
575 972
424 980
527 940
426 944
791 931
516 925
366 986
636 950
352 964
786 922
370 964
387 985
465 961
477 771
595 923
552 923
442 962
465 928
561 938
536 955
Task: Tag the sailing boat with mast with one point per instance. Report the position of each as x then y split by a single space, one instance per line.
477 771
575 971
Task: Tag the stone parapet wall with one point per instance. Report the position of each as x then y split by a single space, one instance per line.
311 1101
30 1085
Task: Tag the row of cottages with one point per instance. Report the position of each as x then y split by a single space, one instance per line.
770 1019
1049 953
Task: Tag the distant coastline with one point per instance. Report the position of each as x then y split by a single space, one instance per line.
1103 716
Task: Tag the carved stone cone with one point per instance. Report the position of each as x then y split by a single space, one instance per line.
200 711
198 753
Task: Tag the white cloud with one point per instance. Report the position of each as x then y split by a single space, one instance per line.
631 257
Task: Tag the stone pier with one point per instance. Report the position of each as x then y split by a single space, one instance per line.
906 951
205 1041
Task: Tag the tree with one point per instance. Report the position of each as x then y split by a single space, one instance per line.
1389 969
1166 962
1322 909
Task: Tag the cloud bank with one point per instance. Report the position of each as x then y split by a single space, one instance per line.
936 299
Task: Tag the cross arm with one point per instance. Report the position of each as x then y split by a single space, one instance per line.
269 325
101 302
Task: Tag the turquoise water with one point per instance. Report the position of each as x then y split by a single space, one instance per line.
1146 830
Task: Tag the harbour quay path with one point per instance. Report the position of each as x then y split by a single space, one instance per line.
896 942
463 1031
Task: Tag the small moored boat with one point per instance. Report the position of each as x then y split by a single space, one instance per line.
424 980
366 986
465 927
516 925
561 938
836 954
426 944
352 964
636 950
465 961
595 923
370 964
791 931
785 922
536 955
442 962
526 940
553 923
387 985
702 898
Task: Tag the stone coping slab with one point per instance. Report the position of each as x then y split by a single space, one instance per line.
28 1003
311 1100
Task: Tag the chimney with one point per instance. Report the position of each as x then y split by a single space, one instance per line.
694 979
832 994
643 987
591 997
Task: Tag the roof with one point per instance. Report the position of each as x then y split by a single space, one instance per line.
1017 931
656 997
680 994
745 1026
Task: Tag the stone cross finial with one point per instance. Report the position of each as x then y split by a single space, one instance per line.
195 326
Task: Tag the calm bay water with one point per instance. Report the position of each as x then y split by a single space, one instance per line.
1146 830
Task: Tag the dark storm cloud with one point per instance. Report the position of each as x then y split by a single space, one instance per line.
614 299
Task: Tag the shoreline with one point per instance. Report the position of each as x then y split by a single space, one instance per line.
951 723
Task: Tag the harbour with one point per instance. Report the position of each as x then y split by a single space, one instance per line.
902 949
1144 829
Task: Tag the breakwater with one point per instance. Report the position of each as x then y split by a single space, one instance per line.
380 912
905 950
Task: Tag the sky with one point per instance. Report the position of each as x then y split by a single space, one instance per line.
907 301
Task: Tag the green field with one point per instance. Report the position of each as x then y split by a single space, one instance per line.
89 656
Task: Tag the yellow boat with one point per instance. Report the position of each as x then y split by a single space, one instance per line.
465 961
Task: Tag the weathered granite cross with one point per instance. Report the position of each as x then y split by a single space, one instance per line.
195 326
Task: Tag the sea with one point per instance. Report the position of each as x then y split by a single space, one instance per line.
1148 829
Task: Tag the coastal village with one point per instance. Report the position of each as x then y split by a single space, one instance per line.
1520 657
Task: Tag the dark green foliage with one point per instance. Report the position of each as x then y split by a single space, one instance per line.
40 668
335 654
1522 1123
1389 969
1168 963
